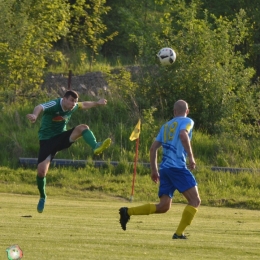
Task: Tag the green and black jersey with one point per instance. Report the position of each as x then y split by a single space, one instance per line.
55 119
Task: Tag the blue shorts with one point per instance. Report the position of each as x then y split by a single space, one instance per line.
175 179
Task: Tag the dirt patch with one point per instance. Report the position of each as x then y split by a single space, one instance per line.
91 83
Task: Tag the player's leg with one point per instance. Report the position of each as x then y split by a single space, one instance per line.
165 194
42 170
125 212
89 138
146 209
189 212
48 149
192 196
163 206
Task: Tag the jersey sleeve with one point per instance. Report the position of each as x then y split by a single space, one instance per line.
159 137
48 105
187 124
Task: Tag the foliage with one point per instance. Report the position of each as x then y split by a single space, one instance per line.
209 73
212 72
138 23
27 30
217 188
230 9
19 137
124 89
134 21
87 27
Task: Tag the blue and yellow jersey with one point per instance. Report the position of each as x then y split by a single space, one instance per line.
54 119
174 155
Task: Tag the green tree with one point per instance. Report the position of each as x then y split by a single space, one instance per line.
229 8
27 31
87 27
209 72
135 21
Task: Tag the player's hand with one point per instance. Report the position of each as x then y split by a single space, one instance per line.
192 163
31 117
102 101
155 176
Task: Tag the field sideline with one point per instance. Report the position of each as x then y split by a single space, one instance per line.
86 228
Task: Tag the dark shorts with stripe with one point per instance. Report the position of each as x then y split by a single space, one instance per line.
53 145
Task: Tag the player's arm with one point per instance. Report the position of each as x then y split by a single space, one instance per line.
185 140
36 112
153 161
90 104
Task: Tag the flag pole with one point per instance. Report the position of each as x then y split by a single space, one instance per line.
135 164
135 136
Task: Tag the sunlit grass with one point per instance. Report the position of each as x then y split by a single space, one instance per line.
240 190
88 228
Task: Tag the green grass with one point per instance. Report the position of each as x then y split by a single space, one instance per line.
221 189
88 228
19 137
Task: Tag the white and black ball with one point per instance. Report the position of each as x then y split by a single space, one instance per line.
167 56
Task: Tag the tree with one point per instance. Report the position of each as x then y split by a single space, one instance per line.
27 31
87 28
135 21
209 73
229 9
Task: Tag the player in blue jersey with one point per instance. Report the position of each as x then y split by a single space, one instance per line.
174 138
54 136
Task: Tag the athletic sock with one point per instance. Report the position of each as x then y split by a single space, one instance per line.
89 138
41 183
145 209
187 217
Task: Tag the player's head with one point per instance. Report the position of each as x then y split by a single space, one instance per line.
181 108
72 93
70 99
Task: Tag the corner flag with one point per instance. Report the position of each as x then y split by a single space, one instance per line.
135 134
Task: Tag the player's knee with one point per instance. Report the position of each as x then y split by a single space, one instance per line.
41 174
162 208
82 127
196 202
166 208
42 170
199 202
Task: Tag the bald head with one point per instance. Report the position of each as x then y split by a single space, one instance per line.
181 108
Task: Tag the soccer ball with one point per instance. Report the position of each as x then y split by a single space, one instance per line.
167 56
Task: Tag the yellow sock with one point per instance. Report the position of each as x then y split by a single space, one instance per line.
145 209
187 217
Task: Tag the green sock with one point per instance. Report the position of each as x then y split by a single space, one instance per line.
89 138
41 183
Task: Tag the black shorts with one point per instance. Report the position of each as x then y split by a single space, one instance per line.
53 145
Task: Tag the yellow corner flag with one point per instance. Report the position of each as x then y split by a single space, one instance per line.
135 134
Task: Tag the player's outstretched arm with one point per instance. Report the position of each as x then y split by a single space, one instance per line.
90 104
36 112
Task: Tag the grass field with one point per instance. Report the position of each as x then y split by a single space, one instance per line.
79 228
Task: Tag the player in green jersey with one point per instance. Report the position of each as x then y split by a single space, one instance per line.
54 136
